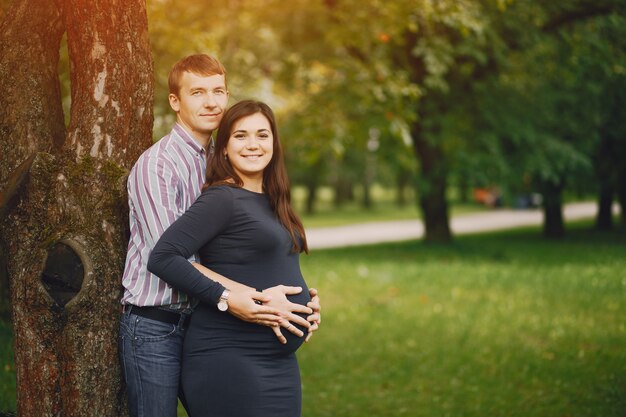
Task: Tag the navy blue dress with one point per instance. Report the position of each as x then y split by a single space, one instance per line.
231 368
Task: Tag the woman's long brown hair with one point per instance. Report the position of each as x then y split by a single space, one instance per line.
275 180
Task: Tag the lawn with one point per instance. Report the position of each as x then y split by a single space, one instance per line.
7 369
504 324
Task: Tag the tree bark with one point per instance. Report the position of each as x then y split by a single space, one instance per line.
70 194
311 195
343 192
621 195
402 181
432 189
464 189
5 289
604 218
366 202
606 163
432 160
553 225
31 115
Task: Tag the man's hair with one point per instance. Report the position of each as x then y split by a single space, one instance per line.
199 64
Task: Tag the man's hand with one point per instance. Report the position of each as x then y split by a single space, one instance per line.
316 318
268 308
241 304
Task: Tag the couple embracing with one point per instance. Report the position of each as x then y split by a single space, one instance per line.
214 303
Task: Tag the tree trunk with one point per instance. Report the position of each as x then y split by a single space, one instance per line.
621 195
464 189
604 219
343 192
432 189
64 198
31 115
5 296
606 167
366 202
402 181
432 181
311 195
553 226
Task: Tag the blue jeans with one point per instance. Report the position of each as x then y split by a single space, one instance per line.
150 353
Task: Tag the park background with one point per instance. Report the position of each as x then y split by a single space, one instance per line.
416 109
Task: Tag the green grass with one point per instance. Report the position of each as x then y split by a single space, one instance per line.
7 369
505 324
496 325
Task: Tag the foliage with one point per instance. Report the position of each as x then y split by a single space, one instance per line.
511 91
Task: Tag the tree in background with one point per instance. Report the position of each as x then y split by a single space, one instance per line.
63 200
548 106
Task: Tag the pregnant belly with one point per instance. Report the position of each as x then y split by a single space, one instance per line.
211 329
293 341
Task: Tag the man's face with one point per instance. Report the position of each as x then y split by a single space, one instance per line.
200 104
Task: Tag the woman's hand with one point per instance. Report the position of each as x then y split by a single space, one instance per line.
316 317
261 308
287 310
268 308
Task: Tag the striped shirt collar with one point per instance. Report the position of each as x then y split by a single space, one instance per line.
189 140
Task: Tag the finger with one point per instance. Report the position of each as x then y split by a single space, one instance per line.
267 323
312 292
263 309
314 318
299 308
292 329
295 319
314 327
315 306
261 297
279 334
267 319
291 290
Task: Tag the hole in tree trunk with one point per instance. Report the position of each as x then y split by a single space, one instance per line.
63 274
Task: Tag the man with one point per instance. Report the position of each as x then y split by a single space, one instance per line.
165 181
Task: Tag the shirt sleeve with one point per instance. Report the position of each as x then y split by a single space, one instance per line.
205 219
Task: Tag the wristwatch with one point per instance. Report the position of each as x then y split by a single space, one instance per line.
222 304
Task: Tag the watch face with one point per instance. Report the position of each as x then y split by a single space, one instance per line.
222 305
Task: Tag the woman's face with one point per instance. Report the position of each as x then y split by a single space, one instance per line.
250 146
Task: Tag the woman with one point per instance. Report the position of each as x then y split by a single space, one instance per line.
243 227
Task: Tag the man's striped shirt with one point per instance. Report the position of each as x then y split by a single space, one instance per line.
166 179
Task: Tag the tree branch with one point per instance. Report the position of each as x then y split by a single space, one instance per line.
586 12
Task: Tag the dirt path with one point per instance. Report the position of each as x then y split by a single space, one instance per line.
392 231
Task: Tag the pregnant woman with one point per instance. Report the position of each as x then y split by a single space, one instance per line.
243 227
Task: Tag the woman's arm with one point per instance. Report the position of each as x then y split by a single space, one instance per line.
275 297
204 220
